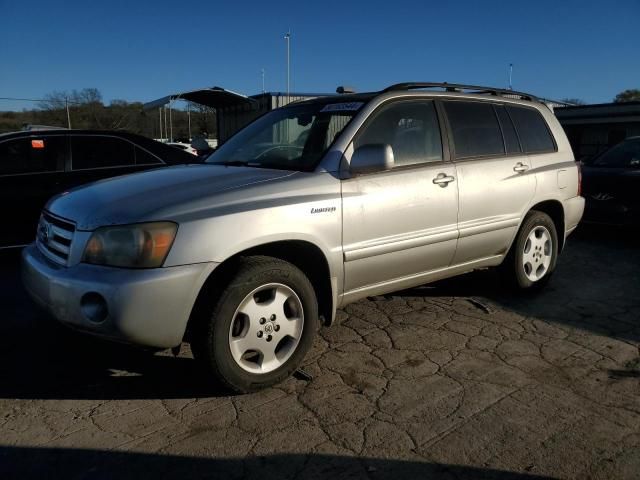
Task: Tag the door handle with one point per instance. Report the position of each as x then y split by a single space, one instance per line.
443 179
520 167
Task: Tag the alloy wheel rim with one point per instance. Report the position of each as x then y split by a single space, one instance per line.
537 253
266 328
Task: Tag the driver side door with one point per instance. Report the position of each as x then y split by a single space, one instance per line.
400 224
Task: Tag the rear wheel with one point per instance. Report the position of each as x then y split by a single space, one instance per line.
259 327
533 256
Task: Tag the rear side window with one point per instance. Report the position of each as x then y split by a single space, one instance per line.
32 155
475 129
625 154
532 130
511 142
89 151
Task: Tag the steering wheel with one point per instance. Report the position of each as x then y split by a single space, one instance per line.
281 152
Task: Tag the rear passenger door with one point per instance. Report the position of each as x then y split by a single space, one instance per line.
494 186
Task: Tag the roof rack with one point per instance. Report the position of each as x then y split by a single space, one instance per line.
454 87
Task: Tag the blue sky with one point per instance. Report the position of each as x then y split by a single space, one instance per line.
142 50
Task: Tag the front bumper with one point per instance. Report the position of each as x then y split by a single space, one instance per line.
148 307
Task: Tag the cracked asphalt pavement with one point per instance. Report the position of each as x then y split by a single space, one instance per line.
458 379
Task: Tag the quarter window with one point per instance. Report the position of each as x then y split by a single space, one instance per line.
412 130
475 129
532 130
89 151
145 158
32 155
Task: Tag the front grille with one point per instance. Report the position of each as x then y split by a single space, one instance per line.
54 237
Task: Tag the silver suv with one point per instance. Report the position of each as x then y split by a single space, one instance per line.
308 208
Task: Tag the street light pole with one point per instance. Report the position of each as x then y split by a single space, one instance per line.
288 39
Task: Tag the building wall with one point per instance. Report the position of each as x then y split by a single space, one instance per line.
591 129
232 119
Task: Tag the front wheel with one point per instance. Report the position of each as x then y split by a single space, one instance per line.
533 256
259 327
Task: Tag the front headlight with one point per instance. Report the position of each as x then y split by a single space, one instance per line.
142 245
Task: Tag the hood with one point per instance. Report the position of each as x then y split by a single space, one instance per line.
146 196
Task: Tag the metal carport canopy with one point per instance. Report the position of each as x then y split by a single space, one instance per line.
215 97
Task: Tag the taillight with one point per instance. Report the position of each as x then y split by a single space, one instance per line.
579 178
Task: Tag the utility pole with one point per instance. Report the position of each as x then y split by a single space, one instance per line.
510 76
263 90
287 37
165 124
66 106
160 117
189 118
170 123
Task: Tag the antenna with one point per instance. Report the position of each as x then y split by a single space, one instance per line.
510 76
287 37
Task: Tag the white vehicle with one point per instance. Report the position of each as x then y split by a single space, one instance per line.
246 254
183 146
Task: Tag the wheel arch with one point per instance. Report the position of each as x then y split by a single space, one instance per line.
306 256
555 210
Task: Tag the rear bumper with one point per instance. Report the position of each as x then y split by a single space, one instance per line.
612 213
573 211
144 307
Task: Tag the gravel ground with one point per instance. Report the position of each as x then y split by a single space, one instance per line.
455 380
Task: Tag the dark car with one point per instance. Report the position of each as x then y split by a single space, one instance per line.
35 165
611 185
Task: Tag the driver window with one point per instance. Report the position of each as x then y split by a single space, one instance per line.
410 127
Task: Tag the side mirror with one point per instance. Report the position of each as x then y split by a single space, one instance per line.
372 158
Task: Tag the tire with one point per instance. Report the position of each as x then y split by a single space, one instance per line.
257 329
533 255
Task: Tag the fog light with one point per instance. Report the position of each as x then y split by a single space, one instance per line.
94 307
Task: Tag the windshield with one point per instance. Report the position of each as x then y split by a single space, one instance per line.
625 154
290 138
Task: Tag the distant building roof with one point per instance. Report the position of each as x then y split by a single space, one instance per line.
596 113
215 97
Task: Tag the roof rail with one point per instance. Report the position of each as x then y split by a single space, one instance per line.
455 87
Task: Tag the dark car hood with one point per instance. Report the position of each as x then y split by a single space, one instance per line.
142 196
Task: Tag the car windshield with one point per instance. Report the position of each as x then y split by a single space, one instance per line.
291 138
625 154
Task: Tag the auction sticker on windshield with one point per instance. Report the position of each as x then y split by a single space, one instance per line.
342 107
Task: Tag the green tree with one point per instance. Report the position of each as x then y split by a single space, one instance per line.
630 95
